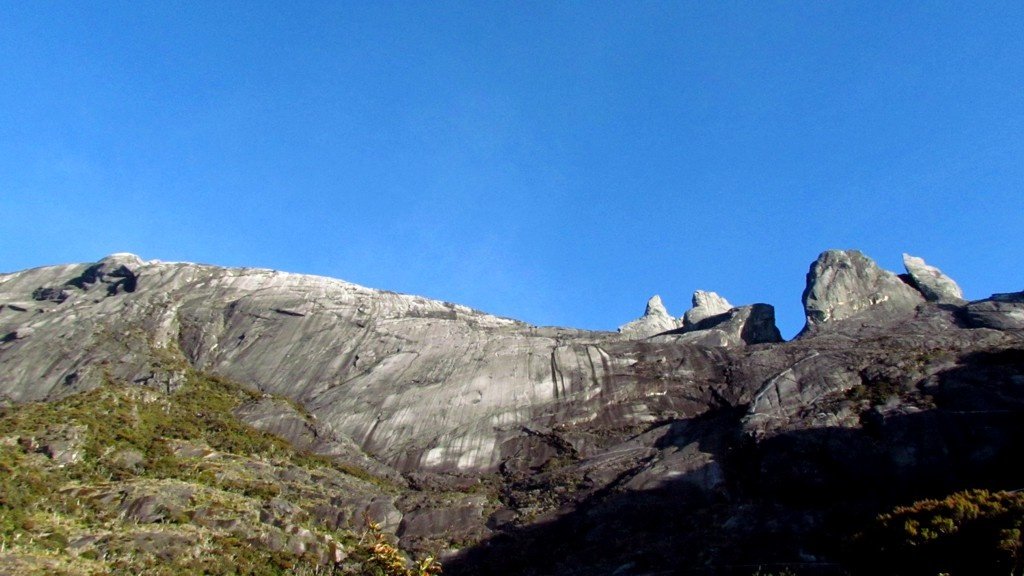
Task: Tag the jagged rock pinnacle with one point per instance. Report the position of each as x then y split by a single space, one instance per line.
842 284
655 307
931 282
655 320
705 305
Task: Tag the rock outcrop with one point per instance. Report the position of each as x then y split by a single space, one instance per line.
931 282
786 394
117 272
999 312
753 324
418 384
655 320
712 321
705 304
845 284
708 439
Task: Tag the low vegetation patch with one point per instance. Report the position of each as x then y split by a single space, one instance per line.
966 533
125 479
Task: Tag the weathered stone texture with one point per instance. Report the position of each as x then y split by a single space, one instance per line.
844 284
931 282
705 304
655 320
999 312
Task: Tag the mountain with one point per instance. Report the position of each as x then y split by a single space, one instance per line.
700 444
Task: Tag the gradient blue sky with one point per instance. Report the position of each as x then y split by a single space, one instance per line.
554 162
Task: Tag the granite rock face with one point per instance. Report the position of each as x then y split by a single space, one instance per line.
116 272
826 431
779 402
418 384
655 320
999 312
705 304
279 417
753 324
845 284
931 282
709 439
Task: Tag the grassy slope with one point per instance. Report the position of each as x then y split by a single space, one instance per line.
128 480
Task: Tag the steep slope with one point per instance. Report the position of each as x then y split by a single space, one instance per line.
709 446
794 450
419 383
129 480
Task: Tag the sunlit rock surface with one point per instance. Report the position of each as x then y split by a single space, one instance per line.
843 284
655 320
705 304
709 438
931 282
418 383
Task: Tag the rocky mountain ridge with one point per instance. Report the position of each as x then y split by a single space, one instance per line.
506 435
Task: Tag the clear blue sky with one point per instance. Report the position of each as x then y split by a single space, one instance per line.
554 162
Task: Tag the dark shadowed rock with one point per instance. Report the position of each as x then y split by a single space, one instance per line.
931 282
788 393
753 324
844 284
1000 312
18 334
50 294
459 520
117 272
709 448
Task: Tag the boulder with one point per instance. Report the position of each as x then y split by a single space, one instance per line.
655 320
753 324
118 272
705 304
459 520
62 443
999 312
353 513
843 284
931 282
19 334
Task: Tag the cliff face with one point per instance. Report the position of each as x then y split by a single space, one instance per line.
421 384
507 435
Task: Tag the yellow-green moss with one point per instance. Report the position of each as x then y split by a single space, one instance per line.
46 505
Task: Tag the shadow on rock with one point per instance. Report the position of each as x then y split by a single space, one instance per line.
788 502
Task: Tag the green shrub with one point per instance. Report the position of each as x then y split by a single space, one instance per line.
379 557
966 533
43 502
